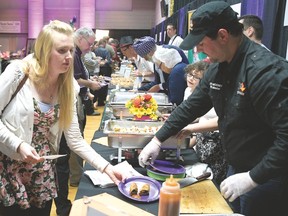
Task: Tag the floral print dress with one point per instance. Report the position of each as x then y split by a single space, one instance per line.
27 184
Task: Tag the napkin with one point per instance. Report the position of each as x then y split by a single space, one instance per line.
198 169
103 180
101 140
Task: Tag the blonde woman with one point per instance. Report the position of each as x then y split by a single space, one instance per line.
33 121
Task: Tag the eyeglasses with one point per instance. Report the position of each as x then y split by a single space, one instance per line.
90 44
124 48
193 76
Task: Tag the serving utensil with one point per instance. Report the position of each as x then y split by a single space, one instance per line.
191 180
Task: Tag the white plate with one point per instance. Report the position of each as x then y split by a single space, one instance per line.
52 157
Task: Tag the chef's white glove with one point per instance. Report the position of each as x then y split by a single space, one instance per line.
237 185
150 152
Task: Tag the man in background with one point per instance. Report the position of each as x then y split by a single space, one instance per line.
253 28
84 39
109 47
92 64
175 39
145 69
105 69
114 43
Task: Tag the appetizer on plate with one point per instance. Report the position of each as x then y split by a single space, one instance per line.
145 190
133 189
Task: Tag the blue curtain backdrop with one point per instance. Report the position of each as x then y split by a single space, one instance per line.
182 27
271 12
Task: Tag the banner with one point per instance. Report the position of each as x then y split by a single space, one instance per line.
10 27
189 19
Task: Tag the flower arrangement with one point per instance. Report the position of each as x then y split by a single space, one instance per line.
143 105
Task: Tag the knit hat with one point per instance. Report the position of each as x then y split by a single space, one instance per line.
125 40
144 45
207 18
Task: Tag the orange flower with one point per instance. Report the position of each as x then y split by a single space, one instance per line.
137 102
147 97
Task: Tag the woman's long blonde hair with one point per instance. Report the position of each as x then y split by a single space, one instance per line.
39 65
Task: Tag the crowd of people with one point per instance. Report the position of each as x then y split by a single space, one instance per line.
232 102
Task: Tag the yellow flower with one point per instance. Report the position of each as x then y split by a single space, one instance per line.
143 105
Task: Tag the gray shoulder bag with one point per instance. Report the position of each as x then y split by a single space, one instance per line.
17 90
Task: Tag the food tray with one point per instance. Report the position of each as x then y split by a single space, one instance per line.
122 97
122 82
118 100
130 139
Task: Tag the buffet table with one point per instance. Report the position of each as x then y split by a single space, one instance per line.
86 187
208 198
202 197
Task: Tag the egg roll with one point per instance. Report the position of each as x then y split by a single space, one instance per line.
145 190
133 189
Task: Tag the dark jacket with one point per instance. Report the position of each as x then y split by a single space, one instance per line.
79 70
250 96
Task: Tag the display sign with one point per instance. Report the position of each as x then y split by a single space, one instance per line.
122 70
10 27
127 72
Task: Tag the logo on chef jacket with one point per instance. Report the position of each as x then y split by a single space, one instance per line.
215 86
241 89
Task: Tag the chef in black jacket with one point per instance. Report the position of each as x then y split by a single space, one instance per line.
248 87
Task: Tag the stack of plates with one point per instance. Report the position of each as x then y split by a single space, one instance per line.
161 170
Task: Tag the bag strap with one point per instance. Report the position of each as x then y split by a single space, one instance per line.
18 89
174 39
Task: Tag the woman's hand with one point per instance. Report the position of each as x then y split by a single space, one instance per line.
165 116
186 131
29 154
155 88
115 175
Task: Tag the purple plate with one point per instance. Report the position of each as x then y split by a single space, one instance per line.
154 193
168 167
160 176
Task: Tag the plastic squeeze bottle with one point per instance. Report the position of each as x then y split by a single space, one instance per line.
170 195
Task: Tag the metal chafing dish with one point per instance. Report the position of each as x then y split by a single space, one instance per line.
118 99
138 140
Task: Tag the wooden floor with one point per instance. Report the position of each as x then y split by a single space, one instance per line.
92 125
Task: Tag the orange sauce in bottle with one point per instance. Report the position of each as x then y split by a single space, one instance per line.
170 195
